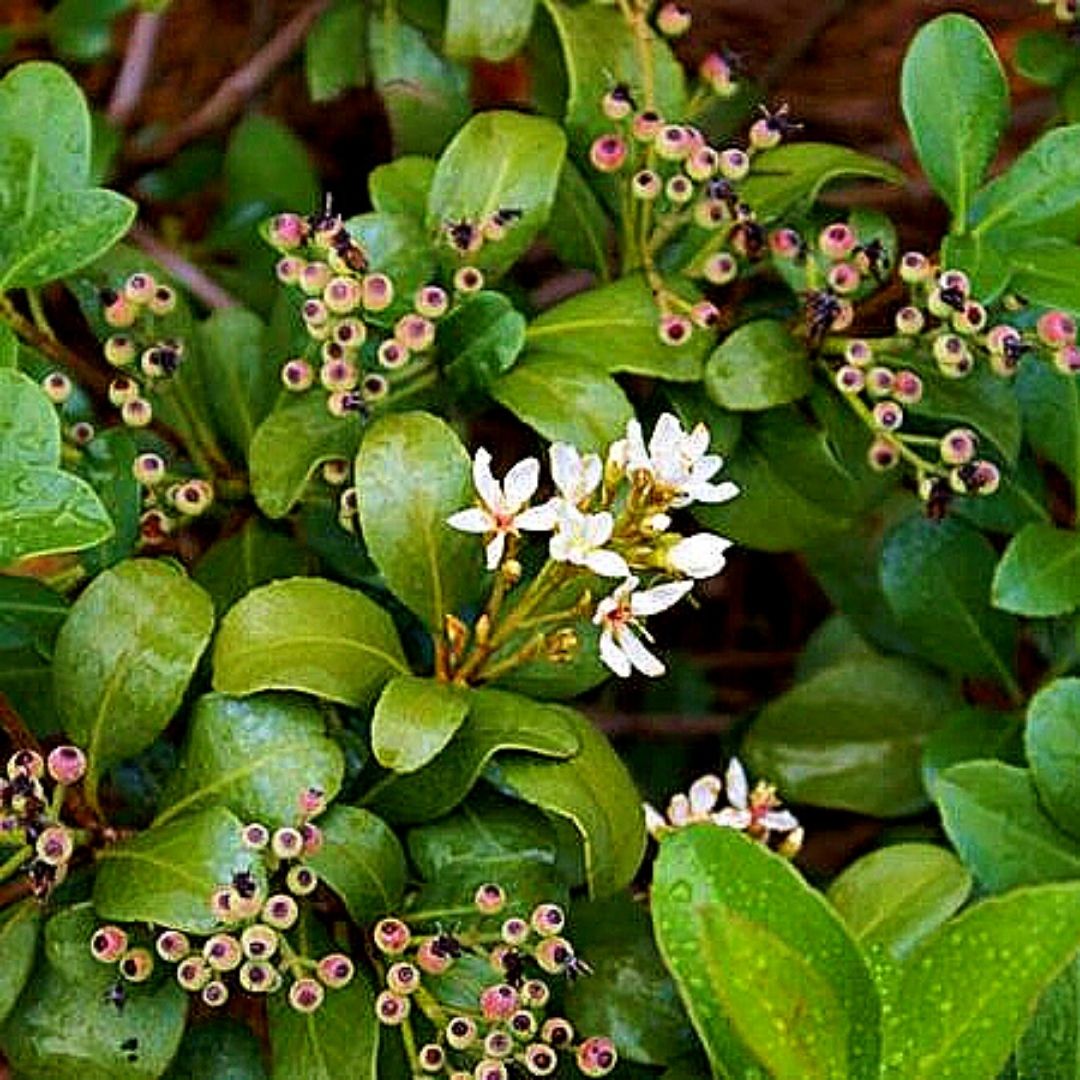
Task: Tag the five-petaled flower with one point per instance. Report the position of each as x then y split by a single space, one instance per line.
755 812
619 615
580 538
576 475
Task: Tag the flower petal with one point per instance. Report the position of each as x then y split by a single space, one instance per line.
655 822
731 818
638 655
704 793
495 549
613 656
537 518
666 436
781 820
598 529
565 469
659 598
520 483
486 485
713 493
738 789
607 563
473 520
592 472
699 556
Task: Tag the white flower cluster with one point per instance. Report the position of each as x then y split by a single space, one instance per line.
596 528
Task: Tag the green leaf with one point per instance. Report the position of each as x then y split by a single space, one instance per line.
972 734
1050 405
414 719
298 436
125 657
1048 273
30 614
1039 574
268 167
498 161
82 29
29 428
936 577
497 721
426 97
19 928
106 464
758 366
256 756
1050 1048
579 229
1034 196
771 979
964 996
401 186
582 329
67 231
1053 750
793 175
630 996
594 791
412 473
9 348
362 861
851 736
489 29
895 897
1045 57
218 1050
335 51
311 635
987 266
992 816
565 401
26 679
479 341
167 874
397 245
956 133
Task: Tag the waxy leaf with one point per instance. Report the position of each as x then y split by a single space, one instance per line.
401 186
770 977
1050 1048
955 132
1039 574
480 341
30 614
972 734
1044 57
398 246
168 873
490 29
497 721
412 473
218 1050
311 635
758 366
1050 406
964 996
1048 273
579 229
992 816
29 428
414 719
335 51
106 465
594 791
125 657
898 895
256 756
852 736
19 930
1052 742
9 347
498 161
362 861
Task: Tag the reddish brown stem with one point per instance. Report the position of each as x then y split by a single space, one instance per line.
135 71
193 279
15 727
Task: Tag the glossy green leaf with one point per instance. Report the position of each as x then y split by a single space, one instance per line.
82 29
167 874
1050 405
489 29
972 734
582 329
298 436
992 816
898 895
20 925
9 348
1045 57
579 229
26 679
851 736
498 161
1048 273
956 134
397 245
498 721
1033 197
29 428
771 979
1050 1048
413 721
565 401
268 168
965 994
984 262
335 51
30 614
67 231
758 366
401 186
311 635
106 464
125 657
254 755
218 1050
479 341
936 577
362 861
1052 742
412 473
594 791
1039 574
426 97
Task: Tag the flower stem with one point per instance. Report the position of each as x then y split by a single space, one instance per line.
12 865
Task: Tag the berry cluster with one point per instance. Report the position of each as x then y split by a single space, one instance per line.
357 354
169 501
30 815
252 947
509 1030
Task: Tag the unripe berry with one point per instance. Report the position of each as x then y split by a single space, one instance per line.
136 965
498 1045
844 317
259 942
705 315
515 931
1067 360
489 899
287 843
315 314
557 1032
119 312
907 387
139 288
734 164
883 455
108 944
971 320
548 919
675 329
540 1060
608 153
915 267
403 977
342 295
297 375
596 1056
82 431
336 970
499 1002
375 386
490 1069
306 995
163 302
858 352
57 387
193 497
844 279
1056 329
119 350
679 190
888 416
468 279
952 355
554 955
415 332
314 278
910 321
461 1032
222 952
673 20
287 231
392 1009
764 136
672 142
301 880
215 994
837 241
258 978
716 73
646 125
193 973
958 446
535 993
312 834
154 526
391 936
431 301
1000 339
66 765
721 268
123 389
785 243
289 269
255 836
223 903
985 478
339 375
523 1024
432 959
617 103
137 413
55 845
172 946
280 911
954 281
702 163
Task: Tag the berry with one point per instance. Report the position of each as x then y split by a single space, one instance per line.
342 295
765 135
139 288
952 355
431 302
123 389
679 190
193 973
497 1044
55 845
287 843
280 911
163 302
57 387
646 125
1067 360
172 946
66 765
548 919
108 944
540 1060
489 1069
971 320
193 497
119 312
523 1024
312 834
675 329
785 243
255 836
734 164
858 352
705 315
392 936
415 332
958 446
119 350
907 387
702 163
287 231
314 278
837 241
258 978
888 416
1056 329
223 903
403 977
431 958
489 899
535 993
914 267
306 995
844 279
515 931
259 942
596 1056
721 268
136 965
499 1002
336 970
557 1032
375 387
288 270
378 292
461 1032
137 413
297 375
608 153
391 1009
673 20
214 994
468 279
431 1057
910 321
222 952
883 455
672 142
617 103
716 73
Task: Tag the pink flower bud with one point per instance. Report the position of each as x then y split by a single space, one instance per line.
67 764
608 153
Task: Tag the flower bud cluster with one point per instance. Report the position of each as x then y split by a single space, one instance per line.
757 811
30 814
510 1032
169 501
251 951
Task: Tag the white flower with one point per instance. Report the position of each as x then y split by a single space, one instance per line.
699 556
579 539
752 811
503 510
576 476
677 461
619 615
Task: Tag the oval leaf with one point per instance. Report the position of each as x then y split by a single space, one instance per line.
29 428
218 1050
480 341
758 366
1052 742
490 29
414 719
1039 574
1050 406
19 929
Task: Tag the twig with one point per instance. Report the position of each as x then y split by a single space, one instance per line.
237 88
661 725
138 59
194 280
14 726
